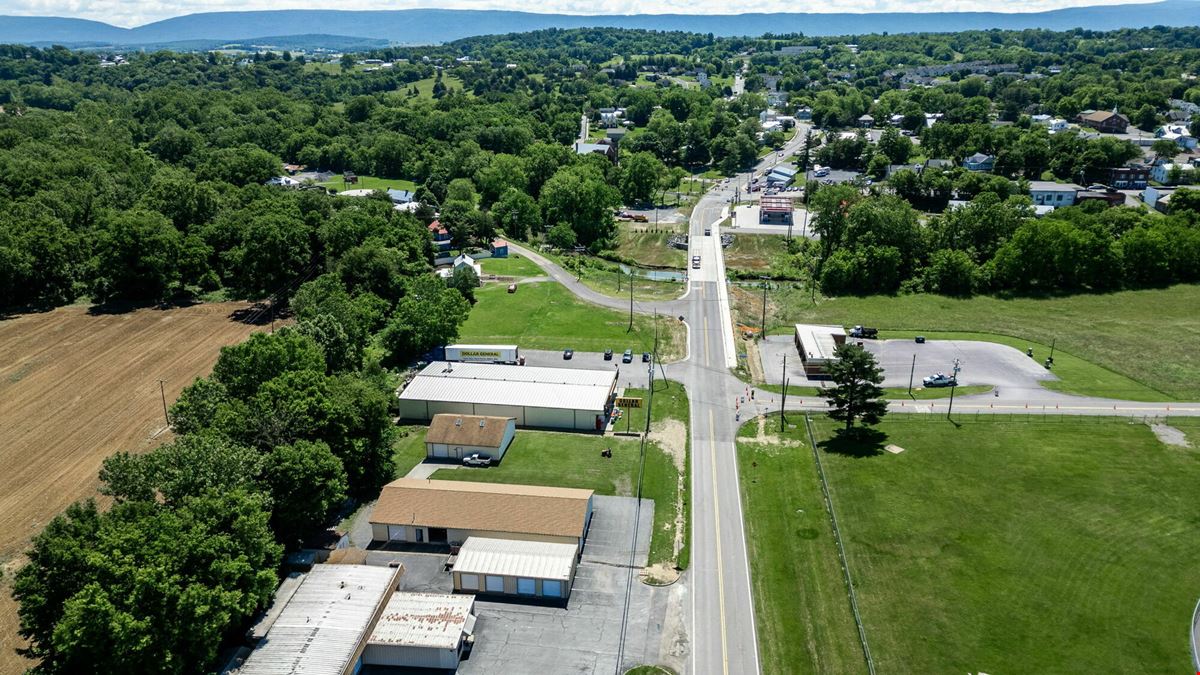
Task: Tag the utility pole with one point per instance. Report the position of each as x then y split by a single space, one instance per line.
953 386
763 334
162 390
1052 341
630 301
783 398
911 373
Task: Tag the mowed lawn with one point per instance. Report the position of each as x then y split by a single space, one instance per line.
1149 336
547 316
1020 547
512 266
803 616
650 248
573 460
370 183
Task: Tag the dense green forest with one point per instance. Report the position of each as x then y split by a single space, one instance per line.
146 182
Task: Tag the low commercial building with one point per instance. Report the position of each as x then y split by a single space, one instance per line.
1104 121
816 345
553 398
422 630
458 436
1049 193
528 569
1129 177
775 210
323 627
415 510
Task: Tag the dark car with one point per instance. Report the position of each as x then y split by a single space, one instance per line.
920 339
627 357
645 357
608 355
567 354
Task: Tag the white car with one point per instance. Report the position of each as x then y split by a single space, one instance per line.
695 262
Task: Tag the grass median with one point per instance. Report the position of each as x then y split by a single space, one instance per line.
1060 545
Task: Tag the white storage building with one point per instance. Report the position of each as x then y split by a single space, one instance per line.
422 630
458 436
417 510
554 398
528 569
323 628
816 345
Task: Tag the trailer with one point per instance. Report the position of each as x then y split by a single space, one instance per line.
509 354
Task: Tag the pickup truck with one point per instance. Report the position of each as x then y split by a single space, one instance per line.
939 380
864 332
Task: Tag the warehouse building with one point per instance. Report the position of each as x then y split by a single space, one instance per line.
458 436
816 345
416 510
422 630
323 627
526 569
554 398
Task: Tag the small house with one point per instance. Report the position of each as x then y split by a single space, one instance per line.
866 121
499 248
399 196
979 162
441 236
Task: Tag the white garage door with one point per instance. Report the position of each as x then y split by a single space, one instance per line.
495 584
551 589
470 582
396 532
441 451
525 587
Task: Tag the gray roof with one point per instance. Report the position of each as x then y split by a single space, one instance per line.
529 386
400 196
516 558
1051 186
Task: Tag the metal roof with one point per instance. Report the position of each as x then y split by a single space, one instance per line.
433 620
818 341
516 558
321 627
529 386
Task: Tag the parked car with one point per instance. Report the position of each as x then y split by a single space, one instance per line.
645 357
920 339
477 459
708 231
627 357
567 354
639 218
939 380
608 355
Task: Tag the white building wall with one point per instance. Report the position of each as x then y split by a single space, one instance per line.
410 657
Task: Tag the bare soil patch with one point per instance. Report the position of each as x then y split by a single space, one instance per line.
1169 435
76 387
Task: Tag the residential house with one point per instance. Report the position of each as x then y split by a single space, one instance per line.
399 196
1049 193
463 260
979 162
777 98
804 113
610 117
499 248
1104 121
1129 177
441 236
604 147
939 164
1169 173
1178 133
866 121
454 437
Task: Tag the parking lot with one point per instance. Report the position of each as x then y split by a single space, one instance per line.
521 637
982 363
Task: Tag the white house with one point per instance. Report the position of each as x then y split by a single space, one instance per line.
284 181
1161 173
462 260
456 436
1178 133
1049 193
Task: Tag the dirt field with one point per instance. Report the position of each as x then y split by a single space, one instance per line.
74 388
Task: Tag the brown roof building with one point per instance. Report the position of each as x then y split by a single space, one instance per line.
1111 122
416 510
454 437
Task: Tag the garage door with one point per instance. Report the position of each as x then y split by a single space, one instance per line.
470 582
441 451
552 589
495 584
525 587
396 532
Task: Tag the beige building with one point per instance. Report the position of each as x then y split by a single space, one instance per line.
414 510
816 345
526 569
457 436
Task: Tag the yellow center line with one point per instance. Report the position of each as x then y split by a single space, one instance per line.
712 451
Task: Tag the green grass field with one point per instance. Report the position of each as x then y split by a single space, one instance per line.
650 248
548 316
425 86
617 285
803 617
573 460
512 266
370 183
1064 545
754 252
409 448
1147 336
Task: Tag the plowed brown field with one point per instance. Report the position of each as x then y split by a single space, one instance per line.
76 387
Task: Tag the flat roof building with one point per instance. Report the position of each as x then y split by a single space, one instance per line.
557 398
532 569
775 210
322 629
816 345
422 630
417 510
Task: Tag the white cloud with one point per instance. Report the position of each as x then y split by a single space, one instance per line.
130 13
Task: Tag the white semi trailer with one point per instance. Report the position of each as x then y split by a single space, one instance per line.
484 354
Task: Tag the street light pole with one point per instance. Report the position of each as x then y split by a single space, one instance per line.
911 373
630 301
763 333
953 386
783 398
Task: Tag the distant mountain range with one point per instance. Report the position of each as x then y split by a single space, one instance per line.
431 26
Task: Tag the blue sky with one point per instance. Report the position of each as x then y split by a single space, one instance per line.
136 12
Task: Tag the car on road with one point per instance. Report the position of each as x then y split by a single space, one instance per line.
477 459
608 355
627 357
639 218
708 231
940 380
645 357
567 354
695 262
